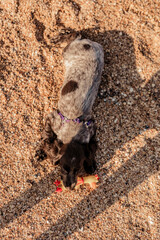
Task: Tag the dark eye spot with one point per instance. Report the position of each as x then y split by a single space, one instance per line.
86 46
71 86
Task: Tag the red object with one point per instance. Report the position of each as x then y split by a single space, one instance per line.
97 177
59 189
57 182
80 181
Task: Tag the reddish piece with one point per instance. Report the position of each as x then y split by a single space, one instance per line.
91 180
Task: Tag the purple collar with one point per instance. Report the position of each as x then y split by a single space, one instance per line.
76 120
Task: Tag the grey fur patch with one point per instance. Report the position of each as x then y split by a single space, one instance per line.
71 86
83 60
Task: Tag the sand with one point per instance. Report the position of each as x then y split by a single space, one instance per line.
125 204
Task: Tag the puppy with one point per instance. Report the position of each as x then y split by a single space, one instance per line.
69 129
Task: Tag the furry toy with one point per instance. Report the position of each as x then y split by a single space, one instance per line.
92 180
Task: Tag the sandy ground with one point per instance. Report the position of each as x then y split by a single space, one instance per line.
125 204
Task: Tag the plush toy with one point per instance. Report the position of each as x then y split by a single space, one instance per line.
92 180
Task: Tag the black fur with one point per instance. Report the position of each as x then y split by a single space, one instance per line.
77 160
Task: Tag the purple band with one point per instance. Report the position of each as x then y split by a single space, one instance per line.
89 122
76 120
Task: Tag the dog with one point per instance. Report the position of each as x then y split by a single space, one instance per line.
69 134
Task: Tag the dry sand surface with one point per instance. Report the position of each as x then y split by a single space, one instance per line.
125 204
